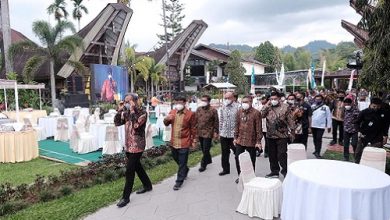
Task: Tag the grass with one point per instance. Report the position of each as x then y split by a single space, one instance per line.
84 202
26 172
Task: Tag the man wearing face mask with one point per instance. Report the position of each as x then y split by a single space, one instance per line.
304 118
337 108
183 137
321 119
207 127
248 131
259 108
280 127
227 124
372 127
134 117
350 127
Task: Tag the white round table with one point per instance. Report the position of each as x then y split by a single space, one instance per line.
335 190
49 124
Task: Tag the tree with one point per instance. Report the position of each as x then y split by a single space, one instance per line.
303 58
173 18
268 54
156 75
78 11
236 72
58 8
376 66
53 46
289 62
6 30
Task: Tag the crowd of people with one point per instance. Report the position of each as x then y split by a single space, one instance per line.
242 125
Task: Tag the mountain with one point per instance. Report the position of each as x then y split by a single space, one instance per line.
231 47
314 46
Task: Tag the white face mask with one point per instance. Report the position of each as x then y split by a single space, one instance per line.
109 76
179 107
348 107
291 102
274 102
227 102
203 104
245 106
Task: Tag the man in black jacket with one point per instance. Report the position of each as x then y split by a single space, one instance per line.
373 127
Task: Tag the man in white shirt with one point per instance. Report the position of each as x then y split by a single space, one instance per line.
321 119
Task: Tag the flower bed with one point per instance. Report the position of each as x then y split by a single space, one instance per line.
44 189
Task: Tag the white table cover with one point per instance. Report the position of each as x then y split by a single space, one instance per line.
49 124
335 190
162 109
69 111
98 131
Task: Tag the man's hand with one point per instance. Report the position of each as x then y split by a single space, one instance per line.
194 145
258 146
235 141
170 117
329 130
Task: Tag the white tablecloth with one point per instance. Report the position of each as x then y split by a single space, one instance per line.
162 109
98 131
335 190
69 111
49 124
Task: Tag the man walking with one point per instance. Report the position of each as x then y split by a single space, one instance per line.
373 128
350 127
337 108
280 127
207 127
248 131
304 118
321 119
227 124
134 117
183 137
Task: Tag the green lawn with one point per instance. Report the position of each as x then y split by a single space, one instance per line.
25 172
90 200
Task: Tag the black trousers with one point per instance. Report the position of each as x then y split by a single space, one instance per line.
252 152
340 126
265 143
205 145
350 139
318 133
226 146
181 158
134 166
278 155
302 138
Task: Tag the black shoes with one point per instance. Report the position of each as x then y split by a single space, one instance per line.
144 190
317 155
201 169
237 180
272 175
177 186
332 143
123 203
223 173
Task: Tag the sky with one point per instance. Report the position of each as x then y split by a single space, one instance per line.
282 22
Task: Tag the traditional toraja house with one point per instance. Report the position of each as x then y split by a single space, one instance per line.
102 39
179 50
361 35
202 55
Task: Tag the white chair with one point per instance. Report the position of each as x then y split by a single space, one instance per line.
262 197
62 132
112 144
87 123
149 136
81 143
374 157
296 152
167 133
75 115
41 135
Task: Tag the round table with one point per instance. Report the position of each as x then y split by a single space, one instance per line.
34 115
49 124
18 146
328 189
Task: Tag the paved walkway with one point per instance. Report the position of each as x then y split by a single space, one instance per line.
203 196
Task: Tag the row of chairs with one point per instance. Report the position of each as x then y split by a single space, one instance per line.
263 197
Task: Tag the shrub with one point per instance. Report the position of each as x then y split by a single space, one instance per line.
11 207
110 175
46 196
66 190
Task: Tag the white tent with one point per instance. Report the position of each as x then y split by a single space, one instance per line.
13 84
221 85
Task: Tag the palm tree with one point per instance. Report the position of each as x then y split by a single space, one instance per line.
78 11
53 46
155 72
6 31
58 8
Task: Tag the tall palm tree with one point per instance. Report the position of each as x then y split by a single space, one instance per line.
53 46
6 31
155 71
78 11
58 8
